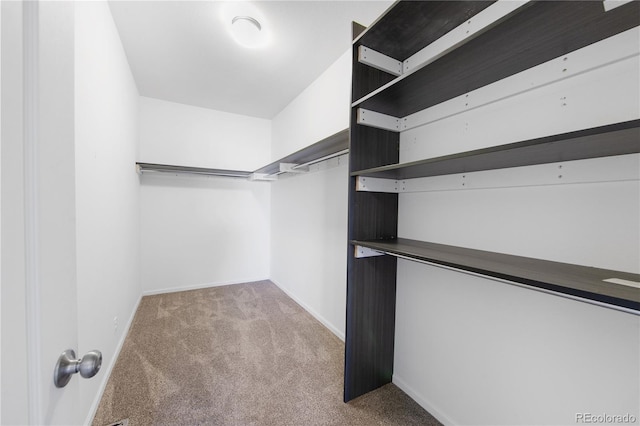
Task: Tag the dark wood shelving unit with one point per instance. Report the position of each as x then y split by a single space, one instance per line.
520 39
533 34
391 36
604 141
580 281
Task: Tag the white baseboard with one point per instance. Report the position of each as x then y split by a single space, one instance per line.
198 286
109 367
422 401
324 321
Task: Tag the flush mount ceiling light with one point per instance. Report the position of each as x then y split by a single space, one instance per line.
246 23
252 22
246 31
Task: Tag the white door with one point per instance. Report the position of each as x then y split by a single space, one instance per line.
39 303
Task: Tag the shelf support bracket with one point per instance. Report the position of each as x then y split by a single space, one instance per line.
376 119
361 252
369 184
612 4
379 61
262 177
293 168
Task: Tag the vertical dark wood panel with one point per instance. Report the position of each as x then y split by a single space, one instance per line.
375 216
371 299
371 282
366 79
370 147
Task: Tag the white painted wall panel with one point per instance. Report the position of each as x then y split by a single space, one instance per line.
309 241
107 192
185 135
0 202
309 212
199 231
593 224
321 110
475 351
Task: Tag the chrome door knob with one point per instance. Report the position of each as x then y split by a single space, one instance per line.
68 365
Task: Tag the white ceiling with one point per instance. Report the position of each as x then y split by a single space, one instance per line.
180 51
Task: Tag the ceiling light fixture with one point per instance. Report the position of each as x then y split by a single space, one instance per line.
251 20
246 23
247 31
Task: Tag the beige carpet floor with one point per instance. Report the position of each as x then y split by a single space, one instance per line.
243 354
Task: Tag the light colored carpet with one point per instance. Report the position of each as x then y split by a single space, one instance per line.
243 354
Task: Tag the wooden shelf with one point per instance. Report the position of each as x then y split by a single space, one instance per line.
394 36
150 167
331 145
615 139
533 34
574 280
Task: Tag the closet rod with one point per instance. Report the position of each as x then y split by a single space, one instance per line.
316 161
165 168
501 280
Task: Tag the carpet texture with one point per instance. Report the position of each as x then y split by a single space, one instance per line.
243 354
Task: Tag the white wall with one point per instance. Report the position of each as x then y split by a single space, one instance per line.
14 369
321 110
309 212
198 231
479 352
476 351
172 133
107 192
201 231
0 202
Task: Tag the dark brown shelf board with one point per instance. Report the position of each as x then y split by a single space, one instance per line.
536 33
393 35
614 139
328 146
576 280
151 167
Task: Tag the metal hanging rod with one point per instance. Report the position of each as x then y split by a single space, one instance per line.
312 162
165 168
514 283
325 149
